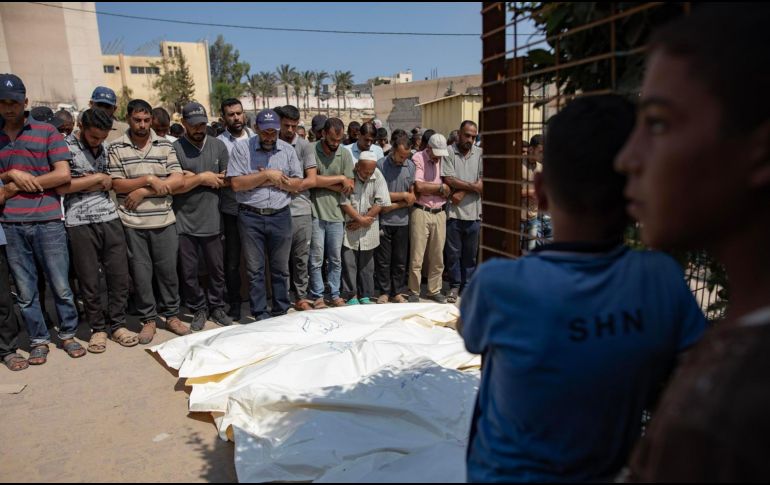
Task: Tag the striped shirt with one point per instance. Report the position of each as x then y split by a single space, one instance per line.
365 195
158 158
35 151
82 208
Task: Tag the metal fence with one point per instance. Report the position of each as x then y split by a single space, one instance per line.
536 57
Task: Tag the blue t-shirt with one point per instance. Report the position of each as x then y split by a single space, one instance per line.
576 342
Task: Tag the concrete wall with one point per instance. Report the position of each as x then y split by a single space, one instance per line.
56 52
391 101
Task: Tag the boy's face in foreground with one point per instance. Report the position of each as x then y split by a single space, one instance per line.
685 175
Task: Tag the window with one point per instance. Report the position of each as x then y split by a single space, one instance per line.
141 70
153 70
170 51
109 69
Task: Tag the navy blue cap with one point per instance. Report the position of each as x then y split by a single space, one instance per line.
268 119
318 122
194 113
12 88
104 95
42 113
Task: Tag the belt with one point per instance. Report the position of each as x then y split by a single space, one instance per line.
262 212
427 209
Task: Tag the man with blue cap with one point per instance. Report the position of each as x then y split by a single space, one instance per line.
264 172
104 99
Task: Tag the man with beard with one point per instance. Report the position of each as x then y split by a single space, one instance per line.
236 131
145 172
462 171
264 172
196 204
96 233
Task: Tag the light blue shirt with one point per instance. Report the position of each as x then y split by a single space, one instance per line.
354 149
227 201
248 158
3 242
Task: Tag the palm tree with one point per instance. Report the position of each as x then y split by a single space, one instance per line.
320 76
344 81
253 88
267 83
286 75
307 82
297 84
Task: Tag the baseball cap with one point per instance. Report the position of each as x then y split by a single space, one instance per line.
42 113
437 144
194 114
368 155
104 95
318 122
268 119
12 88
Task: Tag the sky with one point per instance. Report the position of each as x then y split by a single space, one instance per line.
366 56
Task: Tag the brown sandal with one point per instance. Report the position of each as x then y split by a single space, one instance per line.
338 302
15 362
98 343
320 304
125 337
303 305
148 332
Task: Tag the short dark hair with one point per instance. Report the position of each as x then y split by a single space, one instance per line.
161 115
139 106
583 141
289 112
725 45
382 134
211 131
95 118
63 115
367 129
334 125
454 135
468 122
426 137
536 140
227 103
176 130
354 124
400 138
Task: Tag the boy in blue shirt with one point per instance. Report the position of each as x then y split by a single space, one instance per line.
579 336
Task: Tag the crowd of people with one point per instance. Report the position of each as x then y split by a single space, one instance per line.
578 339
120 215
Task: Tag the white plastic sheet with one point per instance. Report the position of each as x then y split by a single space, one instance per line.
368 393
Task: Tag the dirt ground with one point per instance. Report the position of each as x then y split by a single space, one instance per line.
120 416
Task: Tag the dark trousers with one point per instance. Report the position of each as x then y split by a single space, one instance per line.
232 254
391 258
267 238
213 255
302 232
152 254
462 241
9 326
357 273
99 251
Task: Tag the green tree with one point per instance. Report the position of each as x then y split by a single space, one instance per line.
297 85
227 72
286 75
343 81
174 83
308 77
320 77
267 84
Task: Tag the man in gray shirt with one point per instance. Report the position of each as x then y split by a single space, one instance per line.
196 204
264 172
462 171
301 211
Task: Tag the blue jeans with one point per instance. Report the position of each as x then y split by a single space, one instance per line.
45 242
462 248
266 238
326 241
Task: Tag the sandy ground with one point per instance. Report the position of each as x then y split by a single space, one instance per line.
117 416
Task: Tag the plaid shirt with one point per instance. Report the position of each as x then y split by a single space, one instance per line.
365 195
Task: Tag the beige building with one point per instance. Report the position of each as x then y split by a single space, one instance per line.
139 72
56 52
397 104
445 114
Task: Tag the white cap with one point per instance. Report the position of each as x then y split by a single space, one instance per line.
368 155
437 144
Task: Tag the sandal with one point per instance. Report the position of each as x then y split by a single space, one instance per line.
303 306
125 337
38 355
15 362
338 302
73 349
319 304
98 343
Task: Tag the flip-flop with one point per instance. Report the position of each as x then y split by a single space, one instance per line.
38 355
15 362
73 349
